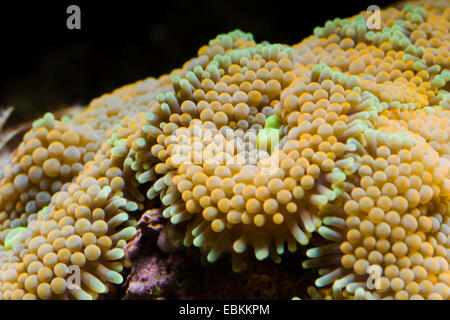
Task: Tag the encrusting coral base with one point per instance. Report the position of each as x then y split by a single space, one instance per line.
252 147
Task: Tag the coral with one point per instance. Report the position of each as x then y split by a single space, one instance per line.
249 147
212 154
75 169
394 216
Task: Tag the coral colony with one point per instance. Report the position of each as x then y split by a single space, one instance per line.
254 147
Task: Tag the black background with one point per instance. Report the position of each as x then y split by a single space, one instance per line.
44 66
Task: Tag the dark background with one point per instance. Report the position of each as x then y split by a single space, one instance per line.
44 66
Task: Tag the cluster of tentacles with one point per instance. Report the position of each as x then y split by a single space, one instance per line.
252 147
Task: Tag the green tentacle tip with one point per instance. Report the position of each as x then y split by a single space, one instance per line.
37 123
65 118
47 120
268 139
13 236
273 122
42 211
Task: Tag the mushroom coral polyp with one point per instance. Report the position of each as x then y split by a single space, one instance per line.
253 147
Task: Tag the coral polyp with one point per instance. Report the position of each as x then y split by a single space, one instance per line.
253 147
